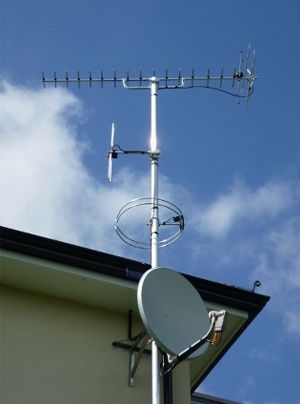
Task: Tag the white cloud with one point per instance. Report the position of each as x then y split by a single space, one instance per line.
263 355
256 233
241 203
282 253
45 187
246 387
278 266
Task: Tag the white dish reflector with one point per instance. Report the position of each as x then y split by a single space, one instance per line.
172 311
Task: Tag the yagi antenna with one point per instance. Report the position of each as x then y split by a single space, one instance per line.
239 84
242 77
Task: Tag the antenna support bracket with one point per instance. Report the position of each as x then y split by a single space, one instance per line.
155 154
135 356
136 349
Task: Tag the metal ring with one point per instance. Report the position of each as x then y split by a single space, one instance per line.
176 220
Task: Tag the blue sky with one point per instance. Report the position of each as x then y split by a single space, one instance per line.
232 169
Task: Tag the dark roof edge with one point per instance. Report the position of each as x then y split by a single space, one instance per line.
112 265
85 258
69 254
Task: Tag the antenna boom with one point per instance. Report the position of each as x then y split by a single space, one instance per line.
244 74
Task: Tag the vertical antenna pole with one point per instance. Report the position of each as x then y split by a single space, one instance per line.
154 154
154 226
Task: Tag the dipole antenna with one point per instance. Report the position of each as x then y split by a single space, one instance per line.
239 84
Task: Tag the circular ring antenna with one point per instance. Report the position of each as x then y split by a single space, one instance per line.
174 217
172 311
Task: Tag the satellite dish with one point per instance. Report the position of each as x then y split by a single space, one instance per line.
172 311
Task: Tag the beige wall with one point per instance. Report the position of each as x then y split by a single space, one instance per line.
59 352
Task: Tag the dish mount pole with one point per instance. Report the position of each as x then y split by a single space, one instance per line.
154 226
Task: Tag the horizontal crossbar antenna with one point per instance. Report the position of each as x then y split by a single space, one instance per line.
242 78
165 82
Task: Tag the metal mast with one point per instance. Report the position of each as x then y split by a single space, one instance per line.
154 225
240 85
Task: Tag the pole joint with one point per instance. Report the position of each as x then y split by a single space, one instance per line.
154 154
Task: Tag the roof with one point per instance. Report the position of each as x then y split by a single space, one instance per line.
73 264
199 398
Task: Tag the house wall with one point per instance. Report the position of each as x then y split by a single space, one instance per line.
55 351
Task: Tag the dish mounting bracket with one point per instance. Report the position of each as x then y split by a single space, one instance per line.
135 346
